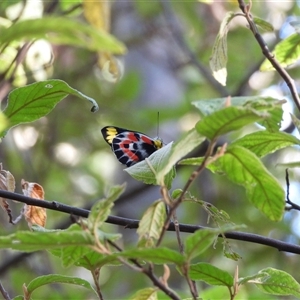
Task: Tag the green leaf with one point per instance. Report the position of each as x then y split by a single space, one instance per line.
250 278
69 32
142 172
197 161
228 119
286 52
210 274
4 4
199 241
218 60
263 24
56 278
262 189
176 193
31 102
101 209
208 106
80 255
155 255
151 224
145 294
3 122
276 282
273 122
32 241
69 253
262 143
182 147
221 292
93 260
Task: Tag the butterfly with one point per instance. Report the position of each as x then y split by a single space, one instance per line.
130 147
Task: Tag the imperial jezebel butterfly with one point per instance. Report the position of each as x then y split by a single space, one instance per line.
130 147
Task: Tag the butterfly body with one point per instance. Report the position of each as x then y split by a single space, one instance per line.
130 147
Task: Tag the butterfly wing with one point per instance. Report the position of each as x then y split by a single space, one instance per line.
130 147
110 132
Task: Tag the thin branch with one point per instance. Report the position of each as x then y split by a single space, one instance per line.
95 274
194 175
12 69
4 293
179 38
159 284
149 273
191 283
288 201
131 223
267 53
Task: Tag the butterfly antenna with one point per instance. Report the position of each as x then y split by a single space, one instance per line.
158 124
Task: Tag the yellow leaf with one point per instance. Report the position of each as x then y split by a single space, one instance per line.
97 13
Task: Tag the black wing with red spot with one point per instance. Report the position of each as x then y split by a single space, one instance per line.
130 147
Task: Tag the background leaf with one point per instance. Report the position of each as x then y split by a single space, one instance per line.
286 52
210 274
68 32
218 59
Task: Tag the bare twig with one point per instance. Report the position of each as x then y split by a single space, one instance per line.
95 274
4 293
150 274
186 187
266 52
159 284
18 59
191 283
291 204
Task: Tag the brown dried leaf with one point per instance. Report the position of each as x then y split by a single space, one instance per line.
109 67
34 214
7 183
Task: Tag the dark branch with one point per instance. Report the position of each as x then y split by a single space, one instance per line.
179 38
266 52
150 274
291 204
130 223
4 293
